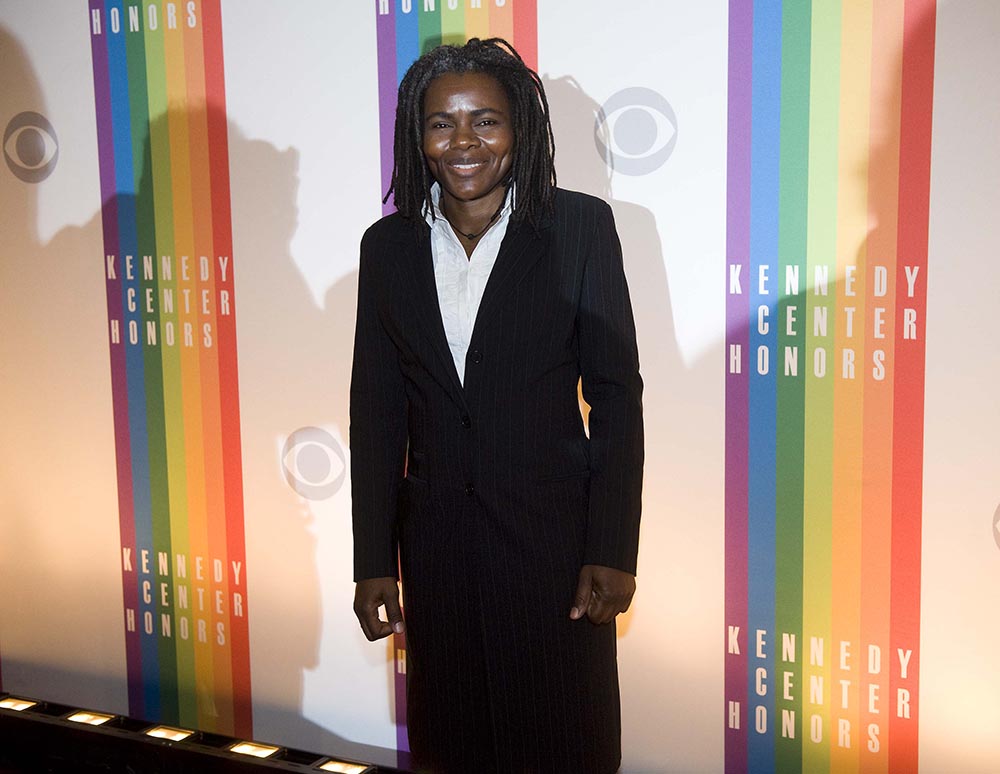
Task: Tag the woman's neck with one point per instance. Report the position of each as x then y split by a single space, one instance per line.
476 216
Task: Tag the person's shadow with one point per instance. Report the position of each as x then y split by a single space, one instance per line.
59 527
673 550
295 383
579 167
293 374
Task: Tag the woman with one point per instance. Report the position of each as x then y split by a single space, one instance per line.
482 302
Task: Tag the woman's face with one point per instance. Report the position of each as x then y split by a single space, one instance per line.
468 137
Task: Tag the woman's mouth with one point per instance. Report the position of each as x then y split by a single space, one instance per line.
466 166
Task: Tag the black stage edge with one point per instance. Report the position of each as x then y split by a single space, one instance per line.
41 740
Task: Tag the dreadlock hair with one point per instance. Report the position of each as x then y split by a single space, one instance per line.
533 168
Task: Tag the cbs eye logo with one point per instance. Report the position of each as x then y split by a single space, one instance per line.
313 463
996 527
30 147
635 131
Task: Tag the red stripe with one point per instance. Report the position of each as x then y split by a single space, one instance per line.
218 143
917 92
526 31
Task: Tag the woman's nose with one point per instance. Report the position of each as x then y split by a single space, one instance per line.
464 137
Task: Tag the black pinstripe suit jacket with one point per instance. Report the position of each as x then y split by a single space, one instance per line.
504 496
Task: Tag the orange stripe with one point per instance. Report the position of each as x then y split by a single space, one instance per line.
883 176
209 369
188 345
502 21
847 650
478 23
218 144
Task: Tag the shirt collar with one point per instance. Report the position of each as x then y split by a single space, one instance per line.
438 216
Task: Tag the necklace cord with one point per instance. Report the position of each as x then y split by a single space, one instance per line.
473 236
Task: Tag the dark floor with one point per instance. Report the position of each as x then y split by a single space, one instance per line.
43 741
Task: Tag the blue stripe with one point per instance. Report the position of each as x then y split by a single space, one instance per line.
407 39
134 362
764 190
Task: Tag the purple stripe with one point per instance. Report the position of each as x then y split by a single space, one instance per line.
119 387
388 84
385 25
402 740
737 333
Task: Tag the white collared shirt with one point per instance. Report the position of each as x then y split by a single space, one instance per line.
461 279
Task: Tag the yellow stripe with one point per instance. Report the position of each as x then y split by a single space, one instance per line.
186 269
852 229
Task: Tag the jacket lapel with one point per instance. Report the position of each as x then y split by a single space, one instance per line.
520 250
428 307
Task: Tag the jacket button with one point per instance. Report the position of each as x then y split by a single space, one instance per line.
466 420
477 356
470 490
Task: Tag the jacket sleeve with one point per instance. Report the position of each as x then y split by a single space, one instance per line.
609 366
378 428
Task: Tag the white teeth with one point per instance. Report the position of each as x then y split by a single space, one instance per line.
467 166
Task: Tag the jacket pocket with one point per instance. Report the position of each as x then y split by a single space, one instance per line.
413 478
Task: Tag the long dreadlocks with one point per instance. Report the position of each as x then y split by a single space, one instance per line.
532 170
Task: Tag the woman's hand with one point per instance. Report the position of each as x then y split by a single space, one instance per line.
602 593
369 596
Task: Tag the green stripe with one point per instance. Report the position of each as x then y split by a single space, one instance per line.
146 238
793 181
429 27
821 245
453 24
162 187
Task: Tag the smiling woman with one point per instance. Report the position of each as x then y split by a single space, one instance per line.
469 147
483 302
491 62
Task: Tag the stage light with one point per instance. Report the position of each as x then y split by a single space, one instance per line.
90 718
254 749
16 704
168 732
341 767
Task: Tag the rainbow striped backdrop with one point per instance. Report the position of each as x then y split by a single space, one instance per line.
406 29
829 161
164 169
